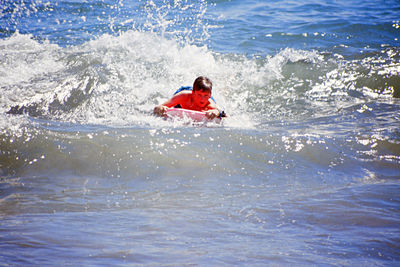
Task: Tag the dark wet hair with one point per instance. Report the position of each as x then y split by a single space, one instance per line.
202 83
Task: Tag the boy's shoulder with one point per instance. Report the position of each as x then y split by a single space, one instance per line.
184 92
182 95
181 98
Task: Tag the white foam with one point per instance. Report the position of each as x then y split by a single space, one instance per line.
117 80
23 58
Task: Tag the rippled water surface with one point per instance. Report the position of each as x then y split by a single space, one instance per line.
304 171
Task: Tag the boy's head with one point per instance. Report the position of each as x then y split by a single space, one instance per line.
202 84
202 87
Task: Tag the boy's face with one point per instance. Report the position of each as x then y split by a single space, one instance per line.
200 98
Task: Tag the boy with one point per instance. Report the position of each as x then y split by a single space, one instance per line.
196 99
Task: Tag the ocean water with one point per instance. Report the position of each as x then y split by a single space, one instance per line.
304 171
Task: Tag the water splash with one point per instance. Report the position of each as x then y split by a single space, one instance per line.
119 79
180 20
69 23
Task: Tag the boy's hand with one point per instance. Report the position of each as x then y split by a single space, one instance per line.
212 113
160 110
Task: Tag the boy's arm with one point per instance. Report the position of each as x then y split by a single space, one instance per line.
175 100
214 111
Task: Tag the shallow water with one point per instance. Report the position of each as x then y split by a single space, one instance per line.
305 170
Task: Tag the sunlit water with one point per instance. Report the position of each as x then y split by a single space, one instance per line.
304 171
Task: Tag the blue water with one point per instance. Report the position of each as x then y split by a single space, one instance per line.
304 171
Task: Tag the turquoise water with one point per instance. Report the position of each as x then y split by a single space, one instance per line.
304 171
